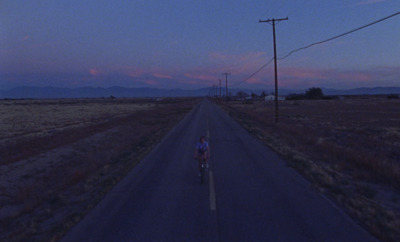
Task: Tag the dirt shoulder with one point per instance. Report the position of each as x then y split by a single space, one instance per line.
348 149
48 183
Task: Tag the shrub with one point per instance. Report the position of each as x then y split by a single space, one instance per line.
314 93
393 96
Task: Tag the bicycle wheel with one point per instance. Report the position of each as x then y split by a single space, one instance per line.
202 173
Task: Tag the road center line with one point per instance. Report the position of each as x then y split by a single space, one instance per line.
213 204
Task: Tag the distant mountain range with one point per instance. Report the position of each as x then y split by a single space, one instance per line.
363 91
97 92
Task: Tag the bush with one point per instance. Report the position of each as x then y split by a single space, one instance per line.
314 93
393 96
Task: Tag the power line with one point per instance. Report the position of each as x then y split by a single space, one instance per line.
338 36
257 71
308 46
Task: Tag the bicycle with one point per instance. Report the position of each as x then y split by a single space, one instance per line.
203 167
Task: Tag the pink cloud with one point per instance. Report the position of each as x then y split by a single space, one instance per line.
138 72
289 77
355 76
135 74
294 77
255 81
151 82
161 75
241 66
303 73
94 72
201 76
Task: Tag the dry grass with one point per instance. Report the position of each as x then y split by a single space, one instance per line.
27 118
348 149
48 190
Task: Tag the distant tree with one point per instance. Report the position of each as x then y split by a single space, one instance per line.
263 94
393 96
314 93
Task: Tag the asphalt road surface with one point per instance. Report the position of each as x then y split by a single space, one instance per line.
250 194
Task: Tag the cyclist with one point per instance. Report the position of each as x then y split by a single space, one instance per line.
202 151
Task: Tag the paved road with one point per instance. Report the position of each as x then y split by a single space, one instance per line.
251 195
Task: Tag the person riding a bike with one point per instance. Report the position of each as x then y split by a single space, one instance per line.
202 151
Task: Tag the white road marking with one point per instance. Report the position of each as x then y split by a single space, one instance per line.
213 203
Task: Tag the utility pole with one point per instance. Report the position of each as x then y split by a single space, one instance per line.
275 62
226 85
219 88
213 91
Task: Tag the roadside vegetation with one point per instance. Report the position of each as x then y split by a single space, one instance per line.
348 148
60 157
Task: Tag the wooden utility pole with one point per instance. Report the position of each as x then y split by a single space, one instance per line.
275 61
213 90
219 88
226 85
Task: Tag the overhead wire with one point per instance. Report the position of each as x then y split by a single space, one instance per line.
313 44
282 3
338 36
254 73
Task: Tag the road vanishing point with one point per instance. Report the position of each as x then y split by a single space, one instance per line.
250 193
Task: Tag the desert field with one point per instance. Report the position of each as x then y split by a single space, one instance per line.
349 149
60 157
22 119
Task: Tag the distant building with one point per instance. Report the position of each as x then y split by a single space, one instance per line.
272 98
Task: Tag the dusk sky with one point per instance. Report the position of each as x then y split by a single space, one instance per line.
189 44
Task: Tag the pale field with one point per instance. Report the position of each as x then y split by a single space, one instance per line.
27 118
